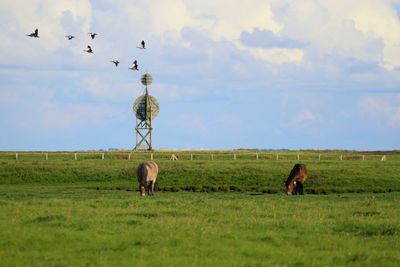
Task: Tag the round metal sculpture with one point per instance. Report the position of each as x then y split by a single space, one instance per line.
146 107
146 79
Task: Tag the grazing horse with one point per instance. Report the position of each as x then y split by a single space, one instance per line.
295 181
146 174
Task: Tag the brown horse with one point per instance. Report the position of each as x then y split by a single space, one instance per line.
146 174
295 181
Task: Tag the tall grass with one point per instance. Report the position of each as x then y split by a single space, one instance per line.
268 176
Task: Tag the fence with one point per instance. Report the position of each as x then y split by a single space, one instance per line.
198 155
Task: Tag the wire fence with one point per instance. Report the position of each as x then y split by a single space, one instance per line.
198 155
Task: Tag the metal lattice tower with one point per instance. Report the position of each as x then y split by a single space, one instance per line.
146 108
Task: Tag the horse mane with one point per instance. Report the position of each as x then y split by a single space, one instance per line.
293 174
141 172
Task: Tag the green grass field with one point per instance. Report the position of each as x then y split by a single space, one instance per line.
62 212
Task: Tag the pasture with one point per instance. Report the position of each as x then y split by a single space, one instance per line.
206 213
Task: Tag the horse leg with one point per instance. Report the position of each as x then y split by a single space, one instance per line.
150 186
300 188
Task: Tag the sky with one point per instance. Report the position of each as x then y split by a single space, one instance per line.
268 74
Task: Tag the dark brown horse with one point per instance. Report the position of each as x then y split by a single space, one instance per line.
146 174
295 181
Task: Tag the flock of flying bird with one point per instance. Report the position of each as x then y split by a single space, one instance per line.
89 49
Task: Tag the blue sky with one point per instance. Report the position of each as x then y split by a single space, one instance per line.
302 74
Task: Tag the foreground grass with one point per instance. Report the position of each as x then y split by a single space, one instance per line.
75 226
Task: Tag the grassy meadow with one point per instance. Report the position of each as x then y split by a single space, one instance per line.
221 212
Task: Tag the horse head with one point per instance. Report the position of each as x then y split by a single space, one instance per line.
142 190
290 188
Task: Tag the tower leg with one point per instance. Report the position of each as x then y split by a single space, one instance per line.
143 135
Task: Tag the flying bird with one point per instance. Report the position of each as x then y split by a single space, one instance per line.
92 34
135 66
70 37
34 34
142 45
116 62
89 50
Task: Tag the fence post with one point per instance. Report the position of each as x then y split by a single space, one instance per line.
16 155
47 156
363 157
234 156
298 157
151 156
257 156
191 156
76 157
212 156
341 157
277 156
129 156
383 158
102 156
319 157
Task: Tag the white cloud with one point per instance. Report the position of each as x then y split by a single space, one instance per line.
305 116
230 121
172 92
267 39
35 109
230 18
350 28
72 117
395 120
384 109
109 88
277 55
189 123
333 29
308 116
47 16
220 21
375 104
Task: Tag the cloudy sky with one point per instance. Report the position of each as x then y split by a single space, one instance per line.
296 74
